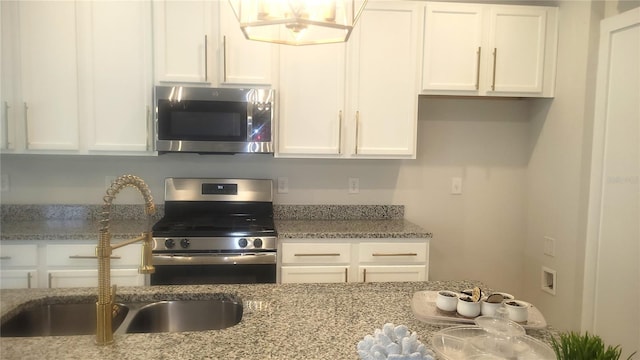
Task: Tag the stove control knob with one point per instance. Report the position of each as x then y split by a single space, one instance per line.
184 243
257 243
243 242
169 243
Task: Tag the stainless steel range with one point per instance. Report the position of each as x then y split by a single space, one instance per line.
215 231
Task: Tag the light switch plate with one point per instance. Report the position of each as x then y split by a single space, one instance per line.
4 182
354 185
549 246
283 185
456 185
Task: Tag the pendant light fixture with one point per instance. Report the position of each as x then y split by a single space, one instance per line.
298 22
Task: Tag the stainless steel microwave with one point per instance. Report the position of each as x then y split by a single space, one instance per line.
214 120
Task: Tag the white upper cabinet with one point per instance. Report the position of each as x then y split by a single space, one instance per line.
452 62
312 100
77 77
49 81
242 61
185 41
354 100
383 86
115 73
489 50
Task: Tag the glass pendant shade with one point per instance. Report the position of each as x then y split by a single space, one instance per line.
298 22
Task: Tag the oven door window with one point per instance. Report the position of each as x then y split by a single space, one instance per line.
192 120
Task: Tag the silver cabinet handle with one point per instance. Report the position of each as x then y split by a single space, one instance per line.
394 254
50 280
340 132
91 257
224 58
478 68
495 56
320 254
26 123
206 59
346 274
364 278
5 257
28 280
357 130
6 125
149 129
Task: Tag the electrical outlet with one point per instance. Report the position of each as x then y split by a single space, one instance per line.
456 185
549 282
549 247
283 185
4 182
354 185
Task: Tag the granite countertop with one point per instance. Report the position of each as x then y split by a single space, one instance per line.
281 321
287 229
378 228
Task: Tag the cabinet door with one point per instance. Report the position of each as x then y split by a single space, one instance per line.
243 61
89 278
19 279
8 41
116 74
312 102
75 256
397 273
314 274
49 78
452 47
383 84
517 36
316 253
18 255
183 39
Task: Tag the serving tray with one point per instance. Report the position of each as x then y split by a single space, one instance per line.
423 305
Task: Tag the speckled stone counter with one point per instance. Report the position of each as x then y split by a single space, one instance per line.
288 322
326 229
81 222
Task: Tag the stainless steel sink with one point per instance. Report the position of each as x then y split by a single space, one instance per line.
186 315
148 317
58 320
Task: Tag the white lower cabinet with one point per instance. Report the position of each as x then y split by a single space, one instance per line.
18 266
353 260
89 278
77 266
61 264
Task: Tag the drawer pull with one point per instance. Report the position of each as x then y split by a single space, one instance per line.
5 257
321 254
50 279
346 274
364 276
28 280
91 257
394 254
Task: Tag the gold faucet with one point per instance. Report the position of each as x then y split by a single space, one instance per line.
106 294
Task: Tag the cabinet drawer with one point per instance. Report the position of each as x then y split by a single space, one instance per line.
85 256
89 278
393 252
314 274
396 273
18 255
330 253
19 279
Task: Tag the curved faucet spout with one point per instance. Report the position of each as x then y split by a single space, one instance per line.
106 295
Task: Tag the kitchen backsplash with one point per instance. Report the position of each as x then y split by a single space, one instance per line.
132 212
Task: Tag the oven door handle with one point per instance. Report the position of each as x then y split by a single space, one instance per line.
214 259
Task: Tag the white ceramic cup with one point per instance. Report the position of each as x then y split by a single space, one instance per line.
469 308
447 300
506 296
518 310
489 309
